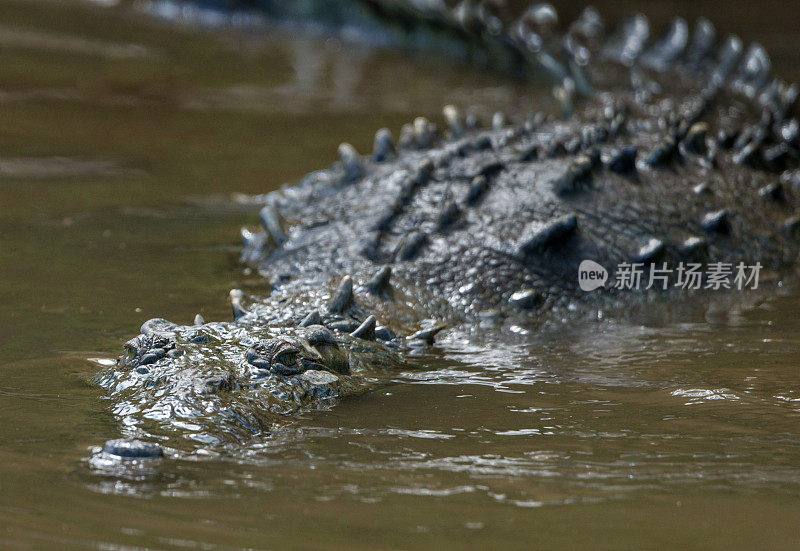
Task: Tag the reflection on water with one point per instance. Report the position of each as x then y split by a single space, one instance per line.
124 179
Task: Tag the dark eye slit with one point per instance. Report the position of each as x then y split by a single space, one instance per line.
287 358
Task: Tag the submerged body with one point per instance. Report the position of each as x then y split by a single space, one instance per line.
685 152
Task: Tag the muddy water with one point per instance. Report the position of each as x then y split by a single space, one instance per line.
127 153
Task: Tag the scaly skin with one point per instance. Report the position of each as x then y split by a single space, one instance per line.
688 153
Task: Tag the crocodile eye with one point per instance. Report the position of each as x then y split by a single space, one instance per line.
130 355
287 358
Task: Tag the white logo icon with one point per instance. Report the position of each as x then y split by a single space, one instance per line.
591 275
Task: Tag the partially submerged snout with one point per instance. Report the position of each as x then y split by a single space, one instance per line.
221 382
192 355
226 381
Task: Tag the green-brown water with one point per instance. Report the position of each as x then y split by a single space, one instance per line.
124 144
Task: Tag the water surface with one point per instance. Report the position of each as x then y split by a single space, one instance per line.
128 154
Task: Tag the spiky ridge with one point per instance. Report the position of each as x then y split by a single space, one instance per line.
685 151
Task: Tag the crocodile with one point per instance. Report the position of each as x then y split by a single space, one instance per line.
472 32
472 232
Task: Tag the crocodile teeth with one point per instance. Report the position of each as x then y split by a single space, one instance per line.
379 283
351 162
343 297
366 330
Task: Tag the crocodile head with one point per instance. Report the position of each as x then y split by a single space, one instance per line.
284 355
225 381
